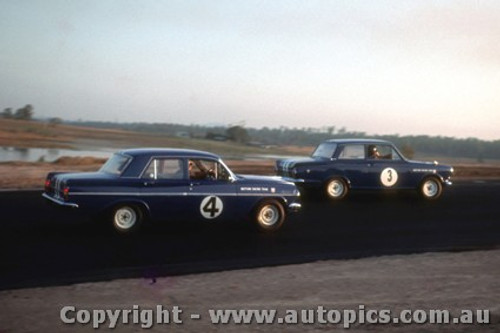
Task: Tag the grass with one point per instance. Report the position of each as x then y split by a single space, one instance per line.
34 134
30 134
456 160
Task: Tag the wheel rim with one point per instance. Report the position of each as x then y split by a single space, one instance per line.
125 218
335 188
430 188
268 215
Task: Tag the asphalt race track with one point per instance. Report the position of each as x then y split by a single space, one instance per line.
41 246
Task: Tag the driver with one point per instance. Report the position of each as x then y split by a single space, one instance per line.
198 170
373 152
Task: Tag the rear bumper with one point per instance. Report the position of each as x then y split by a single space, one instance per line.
59 201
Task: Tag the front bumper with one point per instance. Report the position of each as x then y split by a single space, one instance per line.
59 201
294 207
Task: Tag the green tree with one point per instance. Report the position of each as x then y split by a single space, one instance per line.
55 121
407 151
7 113
25 113
238 134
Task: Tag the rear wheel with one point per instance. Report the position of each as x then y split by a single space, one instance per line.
269 215
336 189
126 218
431 188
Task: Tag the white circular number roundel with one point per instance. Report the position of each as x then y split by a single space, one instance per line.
211 207
389 177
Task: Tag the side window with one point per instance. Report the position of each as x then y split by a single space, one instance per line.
394 155
165 168
382 152
222 173
200 169
350 152
325 149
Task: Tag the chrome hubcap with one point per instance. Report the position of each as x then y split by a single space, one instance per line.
268 215
335 188
430 188
125 218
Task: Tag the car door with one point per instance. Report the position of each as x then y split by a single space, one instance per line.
350 162
211 191
385 167
165 188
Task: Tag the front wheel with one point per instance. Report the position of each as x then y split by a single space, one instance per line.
126 219
336 189
269 216
431 188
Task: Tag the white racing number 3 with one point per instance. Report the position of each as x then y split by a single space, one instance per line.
211 207
389 177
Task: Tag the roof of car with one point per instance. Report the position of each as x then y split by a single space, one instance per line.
168 152
359 141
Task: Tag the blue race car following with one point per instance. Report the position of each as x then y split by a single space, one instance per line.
160 184
339 166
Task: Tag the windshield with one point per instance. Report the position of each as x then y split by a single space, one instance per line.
116 164
325 150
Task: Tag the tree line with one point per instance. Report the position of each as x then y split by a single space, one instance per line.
409 144
24 113
422 144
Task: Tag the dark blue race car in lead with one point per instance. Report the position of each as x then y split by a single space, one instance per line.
138 185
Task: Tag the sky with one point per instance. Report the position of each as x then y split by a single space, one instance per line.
380 67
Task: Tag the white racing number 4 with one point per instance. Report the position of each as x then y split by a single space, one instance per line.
211 207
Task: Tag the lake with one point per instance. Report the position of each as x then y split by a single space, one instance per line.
9 154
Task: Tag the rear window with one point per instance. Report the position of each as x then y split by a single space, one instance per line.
116 164
325 149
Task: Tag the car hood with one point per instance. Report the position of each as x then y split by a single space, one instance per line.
266 184
432 165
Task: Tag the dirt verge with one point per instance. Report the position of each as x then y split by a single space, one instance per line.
432 281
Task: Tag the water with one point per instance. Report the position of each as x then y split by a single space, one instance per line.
8 154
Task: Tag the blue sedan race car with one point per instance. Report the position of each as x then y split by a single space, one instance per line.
338 166
159 184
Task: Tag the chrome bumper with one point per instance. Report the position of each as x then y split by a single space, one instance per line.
294 207
448 182
59 201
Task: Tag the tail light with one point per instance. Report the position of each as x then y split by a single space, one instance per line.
66 193
47 185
